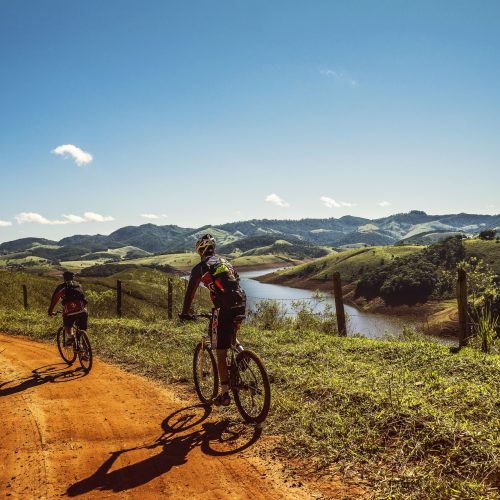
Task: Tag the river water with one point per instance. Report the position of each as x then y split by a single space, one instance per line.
367 324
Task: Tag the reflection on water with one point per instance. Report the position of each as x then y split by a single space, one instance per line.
369 325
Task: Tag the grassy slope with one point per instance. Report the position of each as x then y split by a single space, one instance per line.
350 263
409 418
489 251
144 293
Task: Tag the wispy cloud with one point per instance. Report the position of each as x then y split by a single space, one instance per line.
385 203
80 156
154 216
34 218
93 217
331 203
340 76
277 200
5 223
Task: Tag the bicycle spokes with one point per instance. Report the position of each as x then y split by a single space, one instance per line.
251 387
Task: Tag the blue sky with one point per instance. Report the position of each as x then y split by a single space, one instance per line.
197 112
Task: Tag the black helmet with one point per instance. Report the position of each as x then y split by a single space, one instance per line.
205 245
68 275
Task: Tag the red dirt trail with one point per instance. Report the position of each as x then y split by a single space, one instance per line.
112 433
115 434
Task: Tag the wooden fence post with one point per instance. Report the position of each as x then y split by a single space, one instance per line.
169 299
462 308
339 304
119 298
25 296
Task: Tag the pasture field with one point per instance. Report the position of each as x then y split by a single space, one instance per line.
488 251
350 263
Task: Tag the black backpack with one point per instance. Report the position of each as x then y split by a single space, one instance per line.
233 297
73 292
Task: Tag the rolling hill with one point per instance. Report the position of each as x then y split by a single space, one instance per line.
293 238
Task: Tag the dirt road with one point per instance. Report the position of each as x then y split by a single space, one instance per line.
112 433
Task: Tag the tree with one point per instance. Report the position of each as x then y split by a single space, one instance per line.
487 234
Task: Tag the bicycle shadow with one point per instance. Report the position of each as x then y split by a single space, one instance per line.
54 373
174 449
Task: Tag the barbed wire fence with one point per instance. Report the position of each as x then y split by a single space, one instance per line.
162 295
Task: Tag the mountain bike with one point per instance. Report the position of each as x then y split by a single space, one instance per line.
248 379
77 344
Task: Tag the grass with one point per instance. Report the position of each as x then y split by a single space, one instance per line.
350 263
408 418
144 293
256 260
488 251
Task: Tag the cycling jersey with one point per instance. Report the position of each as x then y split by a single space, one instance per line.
219 276
71 296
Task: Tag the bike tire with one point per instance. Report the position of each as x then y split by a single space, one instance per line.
248 380
68 353
206 376
85 352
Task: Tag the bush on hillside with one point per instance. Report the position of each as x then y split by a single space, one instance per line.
415 278
487 234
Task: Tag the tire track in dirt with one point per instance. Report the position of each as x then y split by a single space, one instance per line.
114 433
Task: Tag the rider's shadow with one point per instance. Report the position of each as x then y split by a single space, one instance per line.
58 372
174 449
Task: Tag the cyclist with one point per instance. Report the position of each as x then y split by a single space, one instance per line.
229 301
74 304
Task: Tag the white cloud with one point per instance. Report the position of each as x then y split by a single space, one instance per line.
5 223
93 217
329 72
154 216
32 217
331 203
37 219
385 203
339 75
76 219
69 150
276 200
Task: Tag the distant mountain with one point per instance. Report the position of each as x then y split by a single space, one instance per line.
24 244
250 235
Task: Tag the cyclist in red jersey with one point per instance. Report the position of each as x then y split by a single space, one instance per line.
74 304
229 300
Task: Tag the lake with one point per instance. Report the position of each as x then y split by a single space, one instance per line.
368 324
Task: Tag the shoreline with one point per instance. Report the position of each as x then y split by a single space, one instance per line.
439 318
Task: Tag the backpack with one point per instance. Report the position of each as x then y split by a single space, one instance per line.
73 292
233 297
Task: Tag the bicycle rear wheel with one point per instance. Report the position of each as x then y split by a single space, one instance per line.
85 351
66 350
251 388
205 374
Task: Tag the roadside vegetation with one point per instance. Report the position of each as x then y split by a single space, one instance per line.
403 416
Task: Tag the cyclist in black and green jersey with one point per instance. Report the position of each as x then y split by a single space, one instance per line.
229 300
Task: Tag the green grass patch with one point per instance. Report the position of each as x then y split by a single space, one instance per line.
350 263
488 251
411 419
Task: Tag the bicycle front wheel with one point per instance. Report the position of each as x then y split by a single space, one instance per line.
205 374
85 351
65 346
251 388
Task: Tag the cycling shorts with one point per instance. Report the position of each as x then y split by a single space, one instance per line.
79 319
223 328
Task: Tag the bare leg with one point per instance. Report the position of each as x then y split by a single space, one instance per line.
223 370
